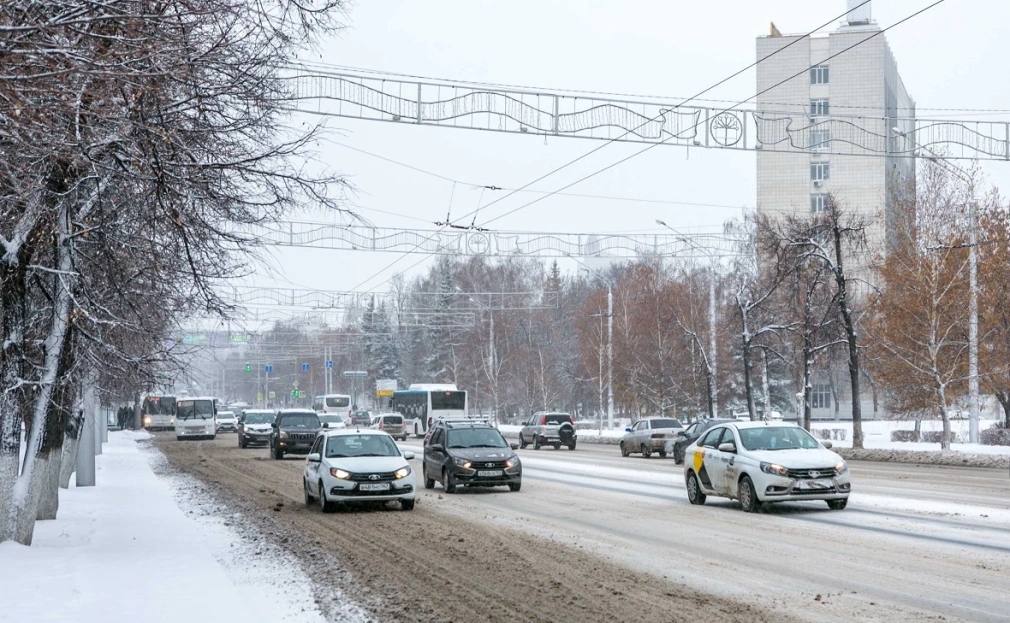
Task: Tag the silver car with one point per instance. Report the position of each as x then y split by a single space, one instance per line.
549 429
650 435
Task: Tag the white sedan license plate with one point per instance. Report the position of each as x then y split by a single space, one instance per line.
489 473
375 486
815 484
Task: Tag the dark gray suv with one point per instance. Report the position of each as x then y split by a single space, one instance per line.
294 430
465 454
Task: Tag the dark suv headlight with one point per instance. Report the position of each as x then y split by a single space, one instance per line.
464 463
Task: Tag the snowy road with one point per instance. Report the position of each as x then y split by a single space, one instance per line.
916 542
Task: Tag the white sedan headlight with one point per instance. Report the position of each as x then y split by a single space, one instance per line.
841 468
772 468
339 473
403 472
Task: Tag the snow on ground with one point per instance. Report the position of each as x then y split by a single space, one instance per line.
126 551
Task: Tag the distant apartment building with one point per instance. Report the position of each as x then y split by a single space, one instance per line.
857 95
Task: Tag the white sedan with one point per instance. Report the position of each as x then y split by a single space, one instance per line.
348 466
761 462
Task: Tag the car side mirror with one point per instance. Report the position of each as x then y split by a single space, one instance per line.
436 446
408 456
627 430
273 425
514 446
826 444
729 447
313 458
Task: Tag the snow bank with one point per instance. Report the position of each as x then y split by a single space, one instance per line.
125 551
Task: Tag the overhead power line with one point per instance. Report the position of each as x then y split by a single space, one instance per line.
762 91
594 150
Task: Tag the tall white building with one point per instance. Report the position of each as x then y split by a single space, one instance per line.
855 96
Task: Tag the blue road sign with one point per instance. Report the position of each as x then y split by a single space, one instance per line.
305 367
268 368
329 363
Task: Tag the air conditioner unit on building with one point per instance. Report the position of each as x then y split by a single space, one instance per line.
818 183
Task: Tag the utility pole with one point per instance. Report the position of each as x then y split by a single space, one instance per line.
713 358
973 392
610 357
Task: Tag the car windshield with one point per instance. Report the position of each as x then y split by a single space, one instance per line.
475 438
338 401
777 438
194 409
258 418
665 423
300 420
225 415
360 445
557 418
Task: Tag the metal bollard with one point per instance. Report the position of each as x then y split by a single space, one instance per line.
86 452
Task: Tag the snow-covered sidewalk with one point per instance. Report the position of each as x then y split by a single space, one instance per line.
126 551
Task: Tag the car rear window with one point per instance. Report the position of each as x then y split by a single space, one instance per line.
557 418
392 419
665 423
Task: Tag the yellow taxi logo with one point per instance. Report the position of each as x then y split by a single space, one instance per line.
699 459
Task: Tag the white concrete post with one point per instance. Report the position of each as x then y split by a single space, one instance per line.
86 451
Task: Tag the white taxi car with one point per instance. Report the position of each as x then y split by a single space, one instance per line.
347 466
761 462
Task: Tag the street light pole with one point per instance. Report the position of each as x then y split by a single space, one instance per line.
610 357
973 391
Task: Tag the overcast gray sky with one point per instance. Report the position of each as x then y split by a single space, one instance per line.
953 56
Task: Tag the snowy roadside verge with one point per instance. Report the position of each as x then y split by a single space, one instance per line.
953 458
126 551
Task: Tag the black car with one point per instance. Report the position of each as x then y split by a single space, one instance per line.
469 454
687 436
294 431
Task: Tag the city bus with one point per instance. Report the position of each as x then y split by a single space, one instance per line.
196 417
157 412
422 403
333 404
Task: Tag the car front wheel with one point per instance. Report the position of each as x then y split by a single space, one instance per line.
837 505
429 483
325 505
448 481
515 486
522 441
308 496
624 450
646 451
407 505
748 496
694 493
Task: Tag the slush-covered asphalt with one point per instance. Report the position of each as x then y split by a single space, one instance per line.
593 536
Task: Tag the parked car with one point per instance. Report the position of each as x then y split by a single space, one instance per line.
649 435
255 427
687 436
391 423
762 462
227 421
294 431
354 466
470 454
546 429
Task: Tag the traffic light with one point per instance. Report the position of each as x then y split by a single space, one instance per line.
248 367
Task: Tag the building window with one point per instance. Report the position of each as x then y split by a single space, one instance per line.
819 74
818 202
819 108
820 171
820 396
820 139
